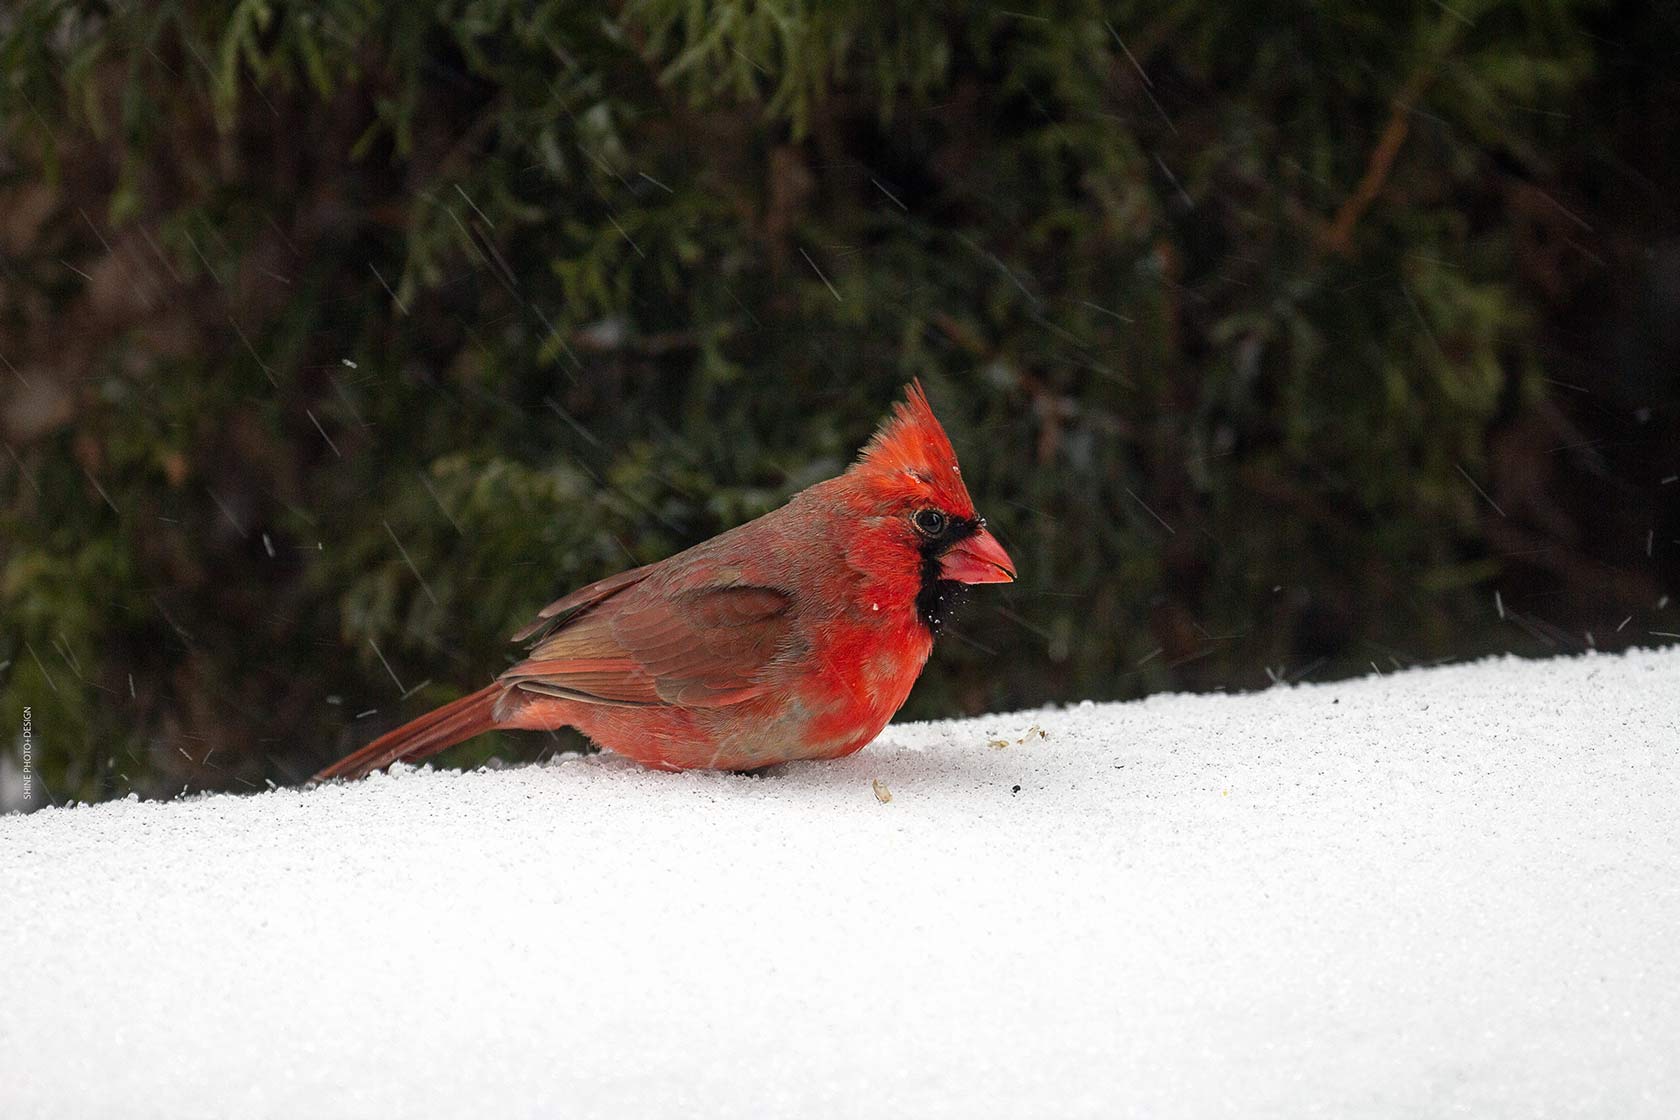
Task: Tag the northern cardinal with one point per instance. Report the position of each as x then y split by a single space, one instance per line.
796 635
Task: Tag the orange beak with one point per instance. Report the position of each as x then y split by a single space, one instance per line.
977 559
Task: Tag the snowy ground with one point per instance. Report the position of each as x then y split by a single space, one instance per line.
1442 892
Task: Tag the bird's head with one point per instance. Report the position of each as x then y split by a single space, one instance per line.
918 518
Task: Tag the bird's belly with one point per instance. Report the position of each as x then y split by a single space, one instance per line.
743 736
828 713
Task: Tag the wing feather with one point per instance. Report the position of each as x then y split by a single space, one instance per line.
626 641
568 607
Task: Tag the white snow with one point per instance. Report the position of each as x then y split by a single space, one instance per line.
1443 892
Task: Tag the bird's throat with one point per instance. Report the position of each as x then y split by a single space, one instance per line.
938 598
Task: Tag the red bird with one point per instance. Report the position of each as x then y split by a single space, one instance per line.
796 635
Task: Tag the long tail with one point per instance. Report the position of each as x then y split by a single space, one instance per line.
423 737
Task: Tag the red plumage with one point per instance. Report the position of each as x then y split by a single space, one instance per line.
796 635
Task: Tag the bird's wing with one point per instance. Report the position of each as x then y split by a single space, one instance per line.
568 607
696 647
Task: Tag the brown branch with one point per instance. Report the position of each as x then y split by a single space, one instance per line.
1338 238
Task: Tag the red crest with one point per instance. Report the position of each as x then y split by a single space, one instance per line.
910 455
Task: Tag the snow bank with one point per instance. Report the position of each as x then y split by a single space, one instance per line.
1443 891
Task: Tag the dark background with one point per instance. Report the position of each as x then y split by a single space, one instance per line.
1279 341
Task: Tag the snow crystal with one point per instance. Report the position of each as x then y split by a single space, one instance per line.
1423 893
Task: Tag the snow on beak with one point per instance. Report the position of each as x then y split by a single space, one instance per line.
978 558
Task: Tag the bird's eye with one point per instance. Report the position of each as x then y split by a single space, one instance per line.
928 522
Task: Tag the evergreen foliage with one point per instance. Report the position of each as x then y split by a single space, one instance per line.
341 335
